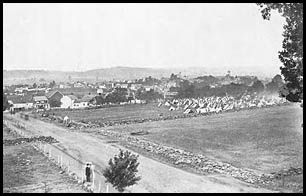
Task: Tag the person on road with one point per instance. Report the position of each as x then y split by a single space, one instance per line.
87 172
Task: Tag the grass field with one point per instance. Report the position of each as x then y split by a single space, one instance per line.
264 140
25 171
123 112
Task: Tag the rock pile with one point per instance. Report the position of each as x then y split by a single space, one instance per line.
141 132
46 139
80 125
287 172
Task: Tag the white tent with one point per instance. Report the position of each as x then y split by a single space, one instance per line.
202 110
186 107
188 111
167 104
171 108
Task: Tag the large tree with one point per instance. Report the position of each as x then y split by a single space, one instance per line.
122 170
275 85
292 54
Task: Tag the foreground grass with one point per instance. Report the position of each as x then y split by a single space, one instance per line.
264 140
24 170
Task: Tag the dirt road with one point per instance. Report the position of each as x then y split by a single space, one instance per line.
156 176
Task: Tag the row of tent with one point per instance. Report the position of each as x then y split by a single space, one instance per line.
217 104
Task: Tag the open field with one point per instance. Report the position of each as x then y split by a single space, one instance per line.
117 113
27 171
265 140
156 176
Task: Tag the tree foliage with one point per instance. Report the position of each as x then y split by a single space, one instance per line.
142 94
52 84
186 90
257 87
275 85
173 77
292 54
6 104
121 172
232 89
117 96
100 100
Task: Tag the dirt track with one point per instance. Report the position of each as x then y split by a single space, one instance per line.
156 176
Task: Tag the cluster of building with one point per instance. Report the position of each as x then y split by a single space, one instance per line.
217 104
43 102
72 98
81 94
78 94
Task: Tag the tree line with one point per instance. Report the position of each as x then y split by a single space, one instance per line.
187 89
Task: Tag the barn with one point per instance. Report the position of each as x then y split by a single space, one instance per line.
54 98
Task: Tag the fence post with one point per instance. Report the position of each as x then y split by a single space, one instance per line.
58 161
44 148
107 188
99 190
50 153
93 177
68 166
61 160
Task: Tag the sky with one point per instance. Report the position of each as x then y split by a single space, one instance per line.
79 37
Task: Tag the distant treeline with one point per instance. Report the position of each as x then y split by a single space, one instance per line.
188 89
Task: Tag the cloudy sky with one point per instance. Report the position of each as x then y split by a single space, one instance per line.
78 37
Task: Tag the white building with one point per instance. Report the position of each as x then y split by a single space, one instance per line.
84 102
21 89
77 105
41 102
67 101
71 101
23 105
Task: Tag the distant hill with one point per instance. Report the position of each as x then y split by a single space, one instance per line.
105 74
126 73
115 73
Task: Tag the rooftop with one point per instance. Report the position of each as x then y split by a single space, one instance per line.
40 98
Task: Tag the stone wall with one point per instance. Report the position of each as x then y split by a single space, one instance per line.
45 139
